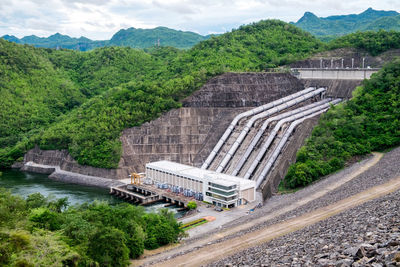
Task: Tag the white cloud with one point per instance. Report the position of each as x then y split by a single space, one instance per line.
100 19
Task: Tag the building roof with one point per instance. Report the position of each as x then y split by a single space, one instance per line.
201 174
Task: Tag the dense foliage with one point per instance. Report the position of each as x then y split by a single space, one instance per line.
373 42
368 122
124 87
135 38
40 231
334 26
32 92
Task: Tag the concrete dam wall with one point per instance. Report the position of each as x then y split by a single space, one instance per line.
185 135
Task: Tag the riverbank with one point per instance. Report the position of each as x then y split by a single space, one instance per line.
57 174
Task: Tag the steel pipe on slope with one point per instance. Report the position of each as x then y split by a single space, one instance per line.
281 144
251 112
277 127
261 115
264 126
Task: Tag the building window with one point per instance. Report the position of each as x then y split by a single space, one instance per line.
222 186
230 193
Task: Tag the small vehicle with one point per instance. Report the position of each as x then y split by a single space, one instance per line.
219 209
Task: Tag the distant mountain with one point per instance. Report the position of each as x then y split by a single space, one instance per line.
136 38
142 38
370 19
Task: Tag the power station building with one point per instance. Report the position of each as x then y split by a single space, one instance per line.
220 189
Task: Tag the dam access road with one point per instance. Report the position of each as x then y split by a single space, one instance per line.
244 240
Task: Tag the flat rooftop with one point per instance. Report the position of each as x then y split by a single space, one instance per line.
197 173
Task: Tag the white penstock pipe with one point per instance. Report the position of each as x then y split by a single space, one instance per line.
253 111
276 129
264 126
261 115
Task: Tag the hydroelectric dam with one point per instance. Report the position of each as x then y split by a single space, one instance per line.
245 125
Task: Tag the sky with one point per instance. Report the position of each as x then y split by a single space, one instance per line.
100 19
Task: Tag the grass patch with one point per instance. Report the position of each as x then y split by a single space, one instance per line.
193 224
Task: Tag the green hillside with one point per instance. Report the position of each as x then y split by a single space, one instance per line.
39 86
135 38
370 121
124 87
32 93
370 41
333 26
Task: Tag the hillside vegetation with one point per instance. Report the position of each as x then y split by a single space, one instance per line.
370 121
333 26
135 38
42 231
81 101
41 85
370 41
124 87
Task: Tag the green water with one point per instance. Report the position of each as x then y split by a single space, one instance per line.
23 183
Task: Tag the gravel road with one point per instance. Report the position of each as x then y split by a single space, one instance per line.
381 172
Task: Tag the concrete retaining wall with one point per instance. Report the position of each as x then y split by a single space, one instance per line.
339 74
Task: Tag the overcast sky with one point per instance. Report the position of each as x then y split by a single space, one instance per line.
100 19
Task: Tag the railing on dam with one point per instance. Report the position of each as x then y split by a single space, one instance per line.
333 74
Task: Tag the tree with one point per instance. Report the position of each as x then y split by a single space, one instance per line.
36 200
192 205
108 247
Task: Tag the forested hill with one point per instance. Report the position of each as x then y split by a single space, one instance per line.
81 101
333 26
115 88
135 38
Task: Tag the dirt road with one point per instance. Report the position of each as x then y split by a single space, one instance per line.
220 250
166 252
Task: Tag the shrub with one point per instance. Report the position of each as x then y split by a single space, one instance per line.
192 205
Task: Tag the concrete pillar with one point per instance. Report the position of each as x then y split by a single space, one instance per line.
342 63
352 63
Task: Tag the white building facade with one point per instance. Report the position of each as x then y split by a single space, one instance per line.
217 188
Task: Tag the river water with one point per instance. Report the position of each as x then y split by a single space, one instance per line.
24 183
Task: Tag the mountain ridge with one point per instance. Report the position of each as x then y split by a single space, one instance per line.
338 25
132 37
